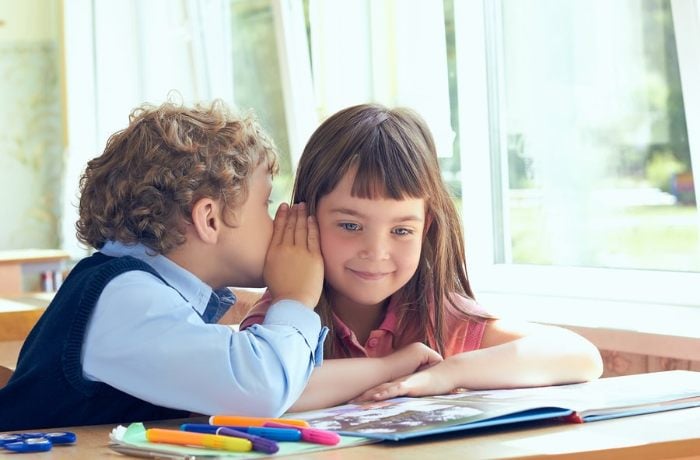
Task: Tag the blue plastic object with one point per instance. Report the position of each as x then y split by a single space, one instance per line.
35 441
29 445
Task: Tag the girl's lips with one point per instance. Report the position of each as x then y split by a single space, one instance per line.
369 276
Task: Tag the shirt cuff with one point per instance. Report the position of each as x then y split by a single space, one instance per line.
302 318
318 353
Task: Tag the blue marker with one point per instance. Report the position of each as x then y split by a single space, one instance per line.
276 434
260 443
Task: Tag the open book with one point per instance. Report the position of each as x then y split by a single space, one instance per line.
403 418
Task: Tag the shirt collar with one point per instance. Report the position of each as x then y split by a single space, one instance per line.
191 288
391 319
389 323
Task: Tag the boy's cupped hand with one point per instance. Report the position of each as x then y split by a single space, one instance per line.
294 265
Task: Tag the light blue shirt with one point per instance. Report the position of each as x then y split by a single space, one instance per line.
148 338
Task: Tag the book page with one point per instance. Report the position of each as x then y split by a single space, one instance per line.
401 418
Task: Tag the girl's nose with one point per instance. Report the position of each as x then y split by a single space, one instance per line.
374 248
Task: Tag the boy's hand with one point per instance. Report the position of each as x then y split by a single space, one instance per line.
293 265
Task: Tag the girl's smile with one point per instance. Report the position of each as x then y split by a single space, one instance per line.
369 276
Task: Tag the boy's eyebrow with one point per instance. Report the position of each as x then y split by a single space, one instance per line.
353 212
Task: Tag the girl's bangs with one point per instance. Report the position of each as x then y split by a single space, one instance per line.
386 176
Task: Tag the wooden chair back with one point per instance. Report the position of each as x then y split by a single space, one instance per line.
5 374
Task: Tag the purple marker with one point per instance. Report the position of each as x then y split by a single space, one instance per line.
259 443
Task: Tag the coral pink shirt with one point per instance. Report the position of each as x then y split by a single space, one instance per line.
462 334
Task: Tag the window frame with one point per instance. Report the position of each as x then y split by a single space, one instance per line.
295 68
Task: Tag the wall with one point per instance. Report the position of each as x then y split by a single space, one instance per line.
31 146
623 363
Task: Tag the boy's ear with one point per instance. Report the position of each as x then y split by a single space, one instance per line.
206 220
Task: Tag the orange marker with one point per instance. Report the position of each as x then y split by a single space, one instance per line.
235 420
186 438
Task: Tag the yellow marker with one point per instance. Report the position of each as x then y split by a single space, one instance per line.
186 438
235 420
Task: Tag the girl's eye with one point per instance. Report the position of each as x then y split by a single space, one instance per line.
403 231
349 226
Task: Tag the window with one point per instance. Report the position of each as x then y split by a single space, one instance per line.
565 127
590 173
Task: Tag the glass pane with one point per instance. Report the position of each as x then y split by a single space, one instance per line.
594 137
450 166
257 83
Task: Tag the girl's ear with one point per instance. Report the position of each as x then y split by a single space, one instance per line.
206 220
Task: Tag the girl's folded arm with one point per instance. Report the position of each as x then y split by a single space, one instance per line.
512 355
339 380
524 354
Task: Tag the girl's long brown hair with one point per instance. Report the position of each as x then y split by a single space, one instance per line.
394 155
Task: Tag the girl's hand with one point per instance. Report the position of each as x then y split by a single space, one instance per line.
294 265
428 382
411 358
401 364
339 380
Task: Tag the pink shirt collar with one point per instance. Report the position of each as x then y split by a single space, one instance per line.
380 341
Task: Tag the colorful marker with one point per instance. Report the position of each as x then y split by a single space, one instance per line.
259 443
211 441
314 435
275 434
235 420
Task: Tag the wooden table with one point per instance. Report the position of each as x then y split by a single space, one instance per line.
19 314
673 434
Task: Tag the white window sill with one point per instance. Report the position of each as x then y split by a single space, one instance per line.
651 329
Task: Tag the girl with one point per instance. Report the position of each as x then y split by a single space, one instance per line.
395 270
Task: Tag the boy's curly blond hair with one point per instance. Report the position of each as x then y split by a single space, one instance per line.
143 187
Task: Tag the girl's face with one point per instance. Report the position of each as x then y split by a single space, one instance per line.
371 247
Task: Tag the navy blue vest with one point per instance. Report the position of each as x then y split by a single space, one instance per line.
48 388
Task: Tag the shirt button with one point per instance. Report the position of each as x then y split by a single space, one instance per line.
372 342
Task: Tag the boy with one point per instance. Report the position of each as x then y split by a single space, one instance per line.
177 206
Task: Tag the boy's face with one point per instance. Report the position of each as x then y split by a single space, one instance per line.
371 247
245 245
